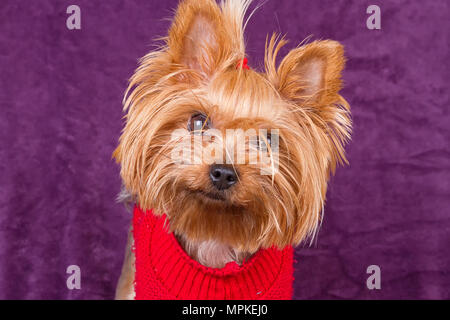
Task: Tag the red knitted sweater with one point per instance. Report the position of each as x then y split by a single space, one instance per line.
165 271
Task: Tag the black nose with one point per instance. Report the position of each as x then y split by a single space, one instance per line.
222 176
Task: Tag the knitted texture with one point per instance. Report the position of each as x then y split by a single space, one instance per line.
165 271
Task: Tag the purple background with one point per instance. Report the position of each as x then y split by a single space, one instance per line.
61 116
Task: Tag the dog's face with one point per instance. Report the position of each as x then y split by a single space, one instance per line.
237 184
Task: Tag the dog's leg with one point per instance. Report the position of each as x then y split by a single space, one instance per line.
125 285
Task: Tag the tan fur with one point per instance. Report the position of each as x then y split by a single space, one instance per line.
212 253
196 72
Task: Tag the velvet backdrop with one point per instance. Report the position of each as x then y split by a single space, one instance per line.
61 116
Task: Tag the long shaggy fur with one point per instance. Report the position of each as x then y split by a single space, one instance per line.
195 71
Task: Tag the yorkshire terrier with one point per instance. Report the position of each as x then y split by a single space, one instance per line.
223 228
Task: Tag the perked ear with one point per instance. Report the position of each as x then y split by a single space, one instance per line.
311 74
197 38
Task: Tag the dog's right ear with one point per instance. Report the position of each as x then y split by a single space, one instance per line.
197 38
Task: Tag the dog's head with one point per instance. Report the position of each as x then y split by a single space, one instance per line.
256 148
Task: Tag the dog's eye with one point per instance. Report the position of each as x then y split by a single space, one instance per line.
264 142
198 123
261 142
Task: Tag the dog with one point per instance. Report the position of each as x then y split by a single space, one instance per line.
212 227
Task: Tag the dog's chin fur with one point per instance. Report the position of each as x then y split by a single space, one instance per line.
213 252
195 71
210 253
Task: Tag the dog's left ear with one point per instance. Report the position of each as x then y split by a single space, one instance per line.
311 74
309 77
197 38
